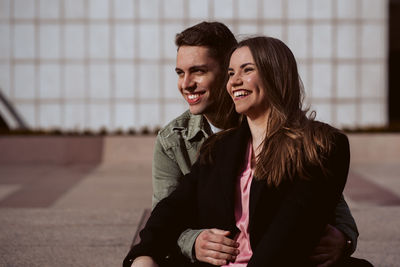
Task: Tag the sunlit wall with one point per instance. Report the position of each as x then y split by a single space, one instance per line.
88 64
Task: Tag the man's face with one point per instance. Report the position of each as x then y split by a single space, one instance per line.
198 78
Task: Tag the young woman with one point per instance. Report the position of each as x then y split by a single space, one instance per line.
272 183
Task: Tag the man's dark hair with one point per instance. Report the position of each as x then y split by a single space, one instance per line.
220 42
214 35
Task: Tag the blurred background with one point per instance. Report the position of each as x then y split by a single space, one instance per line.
70 68
109 64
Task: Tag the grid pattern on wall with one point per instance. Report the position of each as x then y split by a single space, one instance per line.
89 64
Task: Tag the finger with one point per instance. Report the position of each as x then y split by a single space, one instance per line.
219 255
222 248
221 239
220 232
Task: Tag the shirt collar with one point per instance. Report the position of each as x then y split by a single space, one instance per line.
198 123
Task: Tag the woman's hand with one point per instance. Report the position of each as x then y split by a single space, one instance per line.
330 247
144 261
214 247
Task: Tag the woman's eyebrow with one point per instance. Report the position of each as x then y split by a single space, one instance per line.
246 64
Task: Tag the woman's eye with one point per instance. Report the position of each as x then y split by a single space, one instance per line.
230 73
248 69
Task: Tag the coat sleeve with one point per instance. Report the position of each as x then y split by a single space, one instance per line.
304 212
169 218
165 172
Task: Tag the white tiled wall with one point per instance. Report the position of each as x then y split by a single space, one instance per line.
92 64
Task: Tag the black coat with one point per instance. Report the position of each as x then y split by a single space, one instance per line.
285 223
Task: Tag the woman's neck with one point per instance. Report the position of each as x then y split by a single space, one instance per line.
258 128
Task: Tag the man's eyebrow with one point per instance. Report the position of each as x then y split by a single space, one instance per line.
204 66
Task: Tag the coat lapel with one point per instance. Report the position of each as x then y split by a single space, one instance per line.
231 154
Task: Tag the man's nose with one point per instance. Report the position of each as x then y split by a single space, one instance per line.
188 83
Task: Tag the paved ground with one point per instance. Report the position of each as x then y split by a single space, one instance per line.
87 214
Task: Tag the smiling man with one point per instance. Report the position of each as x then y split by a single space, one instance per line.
202 67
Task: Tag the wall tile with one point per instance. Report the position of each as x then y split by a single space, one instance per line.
273 9
4 41
149 116
248 9
168 47
24 41
99 115
4 9
99 41
24 9
323 111
274 30
223 9
322 41
347 81
124 9
347 9
149 81
297 39
49 41
75 41
346 115
50 115
173 9
298 9
74 81
5 79
198 9
74 116
124 116
373 80
124 41
149 41
170 82
28 113
346 41
322 80
49 9
124 81
373 114
99 9
24 81
246 30
373 9
149 9
100 86
173 110
321 9
49 77
74 8
373 43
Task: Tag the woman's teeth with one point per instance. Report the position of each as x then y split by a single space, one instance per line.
240 93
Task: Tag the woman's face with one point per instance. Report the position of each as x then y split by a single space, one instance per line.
245 86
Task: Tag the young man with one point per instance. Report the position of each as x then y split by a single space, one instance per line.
201 65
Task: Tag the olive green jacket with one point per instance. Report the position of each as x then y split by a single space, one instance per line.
176 150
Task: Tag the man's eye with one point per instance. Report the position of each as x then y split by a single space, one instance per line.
179 73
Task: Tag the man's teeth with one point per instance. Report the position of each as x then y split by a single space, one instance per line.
191 97
240 93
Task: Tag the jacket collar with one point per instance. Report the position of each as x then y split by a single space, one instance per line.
197 124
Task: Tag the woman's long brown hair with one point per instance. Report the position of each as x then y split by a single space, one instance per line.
293 139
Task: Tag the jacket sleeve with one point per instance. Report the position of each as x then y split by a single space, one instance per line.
305 210
166 176
345 222
165 172
169 218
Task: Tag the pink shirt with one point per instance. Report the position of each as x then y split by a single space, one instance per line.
242 212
